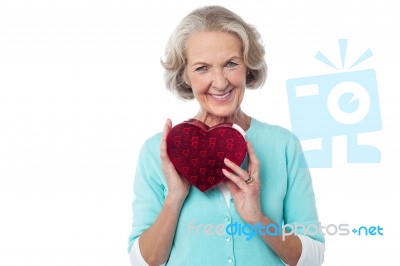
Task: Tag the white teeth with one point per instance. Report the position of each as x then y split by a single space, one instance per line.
220 97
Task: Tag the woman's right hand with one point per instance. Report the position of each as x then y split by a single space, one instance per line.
178 187
155 243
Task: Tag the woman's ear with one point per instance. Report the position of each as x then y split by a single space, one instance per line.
185 78
248 72
249 75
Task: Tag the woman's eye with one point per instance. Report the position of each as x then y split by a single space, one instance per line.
201 69
231 64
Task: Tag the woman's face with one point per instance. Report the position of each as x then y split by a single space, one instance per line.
216 73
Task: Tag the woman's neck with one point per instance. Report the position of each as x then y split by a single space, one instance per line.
239 118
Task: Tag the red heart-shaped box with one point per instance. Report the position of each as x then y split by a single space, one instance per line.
198 151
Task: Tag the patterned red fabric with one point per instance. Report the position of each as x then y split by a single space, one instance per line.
198 151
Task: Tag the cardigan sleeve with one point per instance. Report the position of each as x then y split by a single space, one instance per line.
300 211
149 189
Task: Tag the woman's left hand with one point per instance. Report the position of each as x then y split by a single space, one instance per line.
245 195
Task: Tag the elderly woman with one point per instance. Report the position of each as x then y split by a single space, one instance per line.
213 56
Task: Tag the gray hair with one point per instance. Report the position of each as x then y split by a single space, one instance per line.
212 18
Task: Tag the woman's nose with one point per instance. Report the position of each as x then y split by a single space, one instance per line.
219 80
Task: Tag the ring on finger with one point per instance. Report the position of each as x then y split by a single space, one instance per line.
249 180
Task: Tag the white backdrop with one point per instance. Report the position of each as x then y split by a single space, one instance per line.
81 87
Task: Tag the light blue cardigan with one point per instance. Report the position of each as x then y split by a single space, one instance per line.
286 197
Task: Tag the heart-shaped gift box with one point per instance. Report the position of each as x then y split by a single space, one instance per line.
198 151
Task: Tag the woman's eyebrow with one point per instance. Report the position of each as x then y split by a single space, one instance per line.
235 57
202 62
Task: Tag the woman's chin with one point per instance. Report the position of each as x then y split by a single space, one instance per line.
225 114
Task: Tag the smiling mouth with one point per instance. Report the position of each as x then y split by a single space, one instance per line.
221 97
